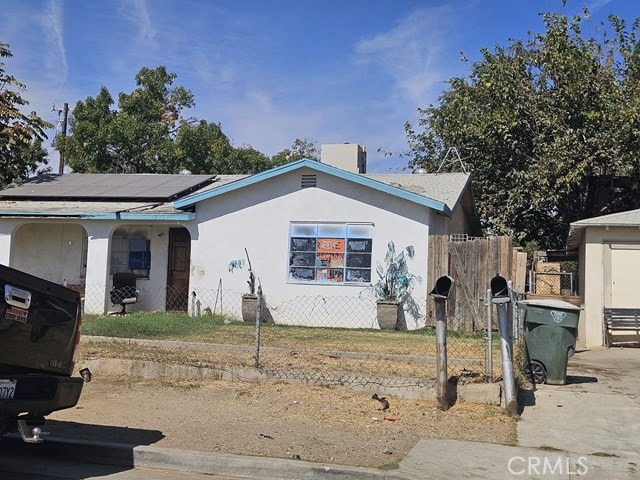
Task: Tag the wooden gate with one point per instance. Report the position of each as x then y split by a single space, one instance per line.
472 263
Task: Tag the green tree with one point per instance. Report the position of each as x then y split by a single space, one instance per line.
138 137
147 133
247 159
301 148
21 135
548 129
203 148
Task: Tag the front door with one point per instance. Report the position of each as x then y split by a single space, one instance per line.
179 261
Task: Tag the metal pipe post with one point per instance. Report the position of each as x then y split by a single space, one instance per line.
513 334
440 294
441 354
504 323
258 312
489 372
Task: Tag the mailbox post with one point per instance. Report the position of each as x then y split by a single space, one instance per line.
440 294
501 297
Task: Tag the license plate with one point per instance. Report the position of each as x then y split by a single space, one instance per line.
17 314
7 389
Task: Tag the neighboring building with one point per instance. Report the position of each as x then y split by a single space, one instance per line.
609 259
179 233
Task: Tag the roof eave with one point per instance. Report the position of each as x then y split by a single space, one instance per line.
190 200
183 216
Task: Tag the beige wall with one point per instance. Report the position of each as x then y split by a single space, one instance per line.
259 218
609 259
54 250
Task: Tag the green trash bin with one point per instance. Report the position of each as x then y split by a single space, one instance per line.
551 329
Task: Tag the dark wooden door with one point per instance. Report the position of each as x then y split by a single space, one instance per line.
179 261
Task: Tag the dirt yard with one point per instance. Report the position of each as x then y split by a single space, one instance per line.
276 420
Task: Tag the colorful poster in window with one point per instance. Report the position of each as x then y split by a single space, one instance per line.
336 275
331 245
333 260
330 253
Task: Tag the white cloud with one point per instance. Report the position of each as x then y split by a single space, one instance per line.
55 61
136 13
412 52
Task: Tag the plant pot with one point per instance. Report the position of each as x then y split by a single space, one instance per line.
249 307
388 314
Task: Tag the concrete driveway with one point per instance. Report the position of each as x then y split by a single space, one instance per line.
595 415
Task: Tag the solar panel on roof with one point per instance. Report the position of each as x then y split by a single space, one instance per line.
108 186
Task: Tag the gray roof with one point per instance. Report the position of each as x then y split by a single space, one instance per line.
88 186
629 218
157 195
444 187
447 188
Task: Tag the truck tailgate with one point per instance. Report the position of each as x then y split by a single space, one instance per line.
38 394
39 324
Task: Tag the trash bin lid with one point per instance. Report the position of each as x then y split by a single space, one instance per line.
551 312
550 303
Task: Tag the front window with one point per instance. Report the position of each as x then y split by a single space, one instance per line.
130 251
333 253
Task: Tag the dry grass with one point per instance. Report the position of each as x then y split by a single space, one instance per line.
325 424
318 424
368 352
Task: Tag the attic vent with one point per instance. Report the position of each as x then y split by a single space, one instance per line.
308 180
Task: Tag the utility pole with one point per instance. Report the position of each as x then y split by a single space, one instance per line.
63 132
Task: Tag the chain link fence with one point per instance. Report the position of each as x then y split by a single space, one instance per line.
554 283
314 340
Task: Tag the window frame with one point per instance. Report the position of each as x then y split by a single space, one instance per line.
330 253
126 240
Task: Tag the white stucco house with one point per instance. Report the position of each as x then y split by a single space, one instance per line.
609 259
313 230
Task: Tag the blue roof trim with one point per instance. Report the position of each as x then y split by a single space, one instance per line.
189 200
106 216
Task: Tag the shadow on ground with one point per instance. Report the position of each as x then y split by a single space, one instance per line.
102 433
527 394
94 450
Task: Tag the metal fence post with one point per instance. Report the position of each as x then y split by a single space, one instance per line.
440 293
489 338
502 299
258 312
514 326
193 303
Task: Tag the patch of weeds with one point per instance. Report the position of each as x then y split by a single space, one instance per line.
519 361
604 454
548 448
390 466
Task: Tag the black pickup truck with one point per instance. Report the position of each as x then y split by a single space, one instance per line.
39 333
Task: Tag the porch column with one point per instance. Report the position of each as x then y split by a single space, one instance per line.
6 232
97 280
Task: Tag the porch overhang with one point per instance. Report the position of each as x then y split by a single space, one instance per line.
130 211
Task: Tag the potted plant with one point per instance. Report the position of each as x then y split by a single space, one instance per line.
394 286
249 300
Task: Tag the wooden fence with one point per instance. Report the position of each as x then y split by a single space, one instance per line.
472 263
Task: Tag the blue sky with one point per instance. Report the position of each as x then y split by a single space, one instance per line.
271 71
